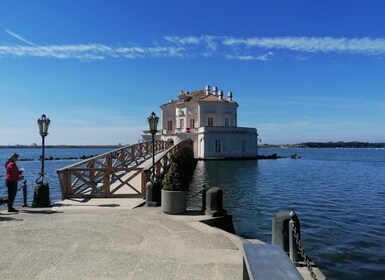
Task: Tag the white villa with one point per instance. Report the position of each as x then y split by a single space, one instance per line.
210 120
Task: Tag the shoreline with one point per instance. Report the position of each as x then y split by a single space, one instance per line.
59 146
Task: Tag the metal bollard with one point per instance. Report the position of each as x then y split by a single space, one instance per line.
204 198
293 246
153 194
24 189
282 232
214 202
280 228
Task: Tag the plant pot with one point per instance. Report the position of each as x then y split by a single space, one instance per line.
174 202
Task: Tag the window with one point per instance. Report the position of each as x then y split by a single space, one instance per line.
217 146
192 123
169 125
243 146
210 121
181 123
227 122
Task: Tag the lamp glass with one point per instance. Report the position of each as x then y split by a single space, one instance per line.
153 120
43 124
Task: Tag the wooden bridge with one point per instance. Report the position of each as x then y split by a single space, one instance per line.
120 173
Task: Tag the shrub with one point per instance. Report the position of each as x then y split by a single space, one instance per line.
179 171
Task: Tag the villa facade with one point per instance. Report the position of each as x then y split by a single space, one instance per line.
210 120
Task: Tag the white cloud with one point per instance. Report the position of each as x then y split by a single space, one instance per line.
313 44
266 56
18 37
183 40
254 48
241 57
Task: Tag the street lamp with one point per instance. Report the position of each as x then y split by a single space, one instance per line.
41 194
153 120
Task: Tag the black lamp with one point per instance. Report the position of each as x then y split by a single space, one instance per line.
153 120
41 194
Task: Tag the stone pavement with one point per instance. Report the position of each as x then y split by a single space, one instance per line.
107 239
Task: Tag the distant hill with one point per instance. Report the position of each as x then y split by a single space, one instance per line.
339 144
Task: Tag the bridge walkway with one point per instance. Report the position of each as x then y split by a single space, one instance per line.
122 173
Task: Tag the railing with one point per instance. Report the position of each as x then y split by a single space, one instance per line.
120 173
104 175
161 163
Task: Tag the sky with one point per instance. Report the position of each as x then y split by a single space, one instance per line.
300 71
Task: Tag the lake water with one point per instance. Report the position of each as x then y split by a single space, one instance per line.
338 194
32 167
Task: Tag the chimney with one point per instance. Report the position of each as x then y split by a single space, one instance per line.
215 90
220 95
230 96
207 90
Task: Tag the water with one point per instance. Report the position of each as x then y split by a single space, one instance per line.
32 167
338 195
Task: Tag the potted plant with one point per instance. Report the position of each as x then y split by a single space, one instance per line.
175 184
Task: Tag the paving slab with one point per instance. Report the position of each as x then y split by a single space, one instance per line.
116 239
103 241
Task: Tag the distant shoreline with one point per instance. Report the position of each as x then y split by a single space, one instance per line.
59 146
340 144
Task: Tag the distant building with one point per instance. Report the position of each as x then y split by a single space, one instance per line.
210 120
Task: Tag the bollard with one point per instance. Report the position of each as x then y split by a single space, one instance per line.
204 198
41 196
282 230
25 203
214 202
153 194
293 246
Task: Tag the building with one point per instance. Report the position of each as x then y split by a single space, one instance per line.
210 120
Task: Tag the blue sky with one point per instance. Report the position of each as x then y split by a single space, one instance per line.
299 70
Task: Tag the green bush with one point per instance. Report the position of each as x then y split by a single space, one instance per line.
179 172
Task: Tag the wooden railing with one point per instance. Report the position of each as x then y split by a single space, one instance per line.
95 176
120 173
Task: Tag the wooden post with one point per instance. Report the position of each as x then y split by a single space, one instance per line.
144 181
106 177
67 182
92 171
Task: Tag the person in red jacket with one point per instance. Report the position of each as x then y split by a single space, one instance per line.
12 176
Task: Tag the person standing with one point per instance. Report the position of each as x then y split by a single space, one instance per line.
11 178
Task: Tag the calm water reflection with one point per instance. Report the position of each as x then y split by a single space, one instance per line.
337 194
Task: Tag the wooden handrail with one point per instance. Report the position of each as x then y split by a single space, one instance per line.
94 177
108 174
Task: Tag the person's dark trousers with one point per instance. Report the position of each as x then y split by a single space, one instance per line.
12 190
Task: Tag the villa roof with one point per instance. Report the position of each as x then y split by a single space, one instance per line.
197 96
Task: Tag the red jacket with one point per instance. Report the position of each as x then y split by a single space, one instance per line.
12 172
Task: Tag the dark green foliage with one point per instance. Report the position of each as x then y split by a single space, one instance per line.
180 170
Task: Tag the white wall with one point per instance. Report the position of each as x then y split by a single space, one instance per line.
217 110
230 140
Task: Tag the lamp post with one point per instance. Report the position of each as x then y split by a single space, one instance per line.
41 194
153 120
153 187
